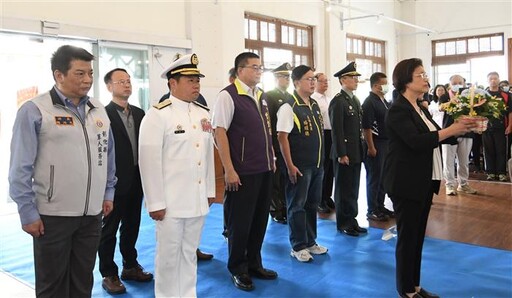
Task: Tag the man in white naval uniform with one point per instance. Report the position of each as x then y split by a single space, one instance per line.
178 178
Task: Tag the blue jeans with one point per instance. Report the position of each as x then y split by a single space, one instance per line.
302 201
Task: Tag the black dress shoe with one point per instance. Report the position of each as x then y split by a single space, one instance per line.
202 256
263 273
426 294
377 216
350 231
243 281
388 212
323 209
359 229
280 219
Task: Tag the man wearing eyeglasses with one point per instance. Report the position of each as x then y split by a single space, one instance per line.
300 135
125 122
275 98
242 133
345 113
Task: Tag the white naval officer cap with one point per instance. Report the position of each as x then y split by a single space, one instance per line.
185 65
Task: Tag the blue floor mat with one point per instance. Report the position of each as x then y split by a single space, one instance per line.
354 266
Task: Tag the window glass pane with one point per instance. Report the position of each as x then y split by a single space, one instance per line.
485 44
349 45
378 50
370 50
284 34
246 24
440 49
272 32
304 60
305 38
461 47
450 48
291 35
473 45
496 43
263 31
359 47
253 29
297 60
299 37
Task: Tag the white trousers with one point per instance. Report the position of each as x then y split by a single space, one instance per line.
176 261
461 152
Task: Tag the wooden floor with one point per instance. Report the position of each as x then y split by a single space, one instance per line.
484 219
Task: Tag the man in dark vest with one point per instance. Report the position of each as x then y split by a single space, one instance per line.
300 134
242 132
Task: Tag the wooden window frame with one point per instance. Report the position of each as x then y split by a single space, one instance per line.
364 55
259 44
462 58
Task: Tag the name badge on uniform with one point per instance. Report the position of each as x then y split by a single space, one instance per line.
64 120
206 125
179 129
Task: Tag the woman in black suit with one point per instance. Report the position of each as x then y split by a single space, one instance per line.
413 170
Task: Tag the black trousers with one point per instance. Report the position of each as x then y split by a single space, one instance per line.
411 223
127 212
375 192
476 151
247 217
495 146
279 177
328 170
64 257
346 192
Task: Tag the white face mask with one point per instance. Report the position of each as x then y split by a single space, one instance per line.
455 88
385 89
505 88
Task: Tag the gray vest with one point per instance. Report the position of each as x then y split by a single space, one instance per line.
70 170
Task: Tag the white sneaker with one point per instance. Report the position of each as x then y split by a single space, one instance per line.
450 190
317 249
302 255
466 189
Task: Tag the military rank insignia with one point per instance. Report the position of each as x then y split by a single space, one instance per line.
64 120
179 129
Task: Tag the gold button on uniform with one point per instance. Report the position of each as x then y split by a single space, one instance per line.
194 127
199 163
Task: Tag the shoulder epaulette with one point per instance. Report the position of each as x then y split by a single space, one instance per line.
163 104
201 105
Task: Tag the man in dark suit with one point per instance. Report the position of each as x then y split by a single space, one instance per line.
347 150
125 122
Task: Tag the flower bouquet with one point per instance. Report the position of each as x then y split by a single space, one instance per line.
475 104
